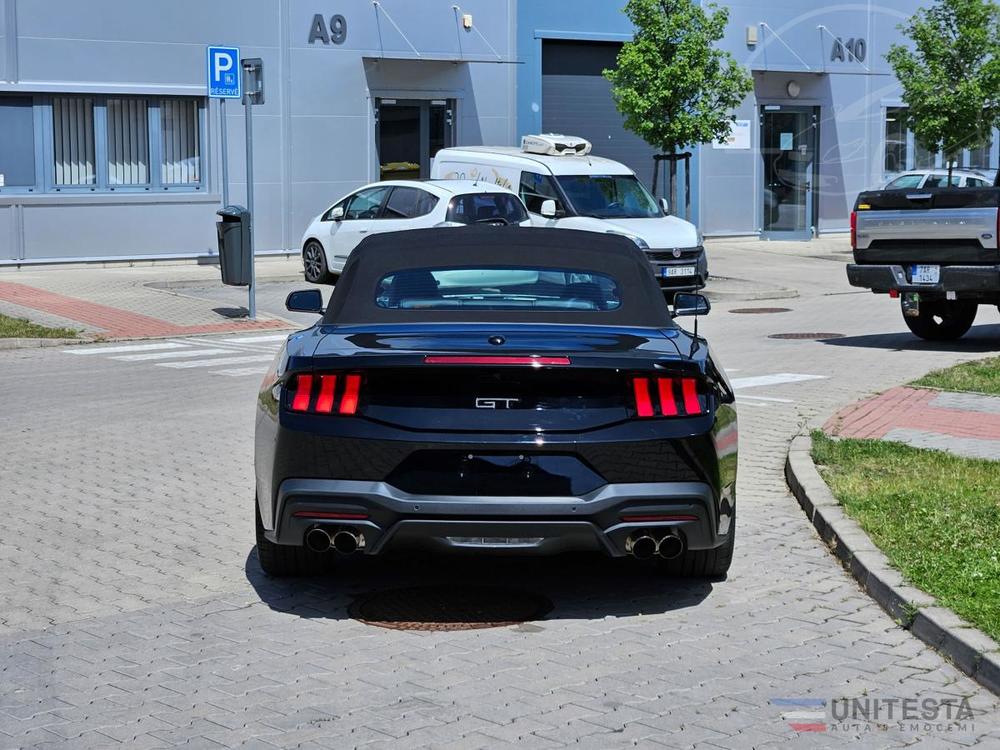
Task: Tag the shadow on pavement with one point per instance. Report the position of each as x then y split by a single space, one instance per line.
578 586
981 339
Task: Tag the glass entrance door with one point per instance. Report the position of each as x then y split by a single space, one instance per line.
788 147
409 132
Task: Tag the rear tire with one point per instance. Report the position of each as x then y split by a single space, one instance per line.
314 263
704 563
943 320
282 560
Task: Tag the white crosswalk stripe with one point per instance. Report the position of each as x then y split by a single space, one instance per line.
130 348
214 362
240 356
171 354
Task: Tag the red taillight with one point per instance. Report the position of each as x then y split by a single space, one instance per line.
327 388
330 516
654 517
854 230
667 403
303 392
643 405
349 401
495 360
336 393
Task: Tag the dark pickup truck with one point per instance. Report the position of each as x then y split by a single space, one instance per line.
934 249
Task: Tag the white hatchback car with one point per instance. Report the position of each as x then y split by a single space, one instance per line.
395 205
936 178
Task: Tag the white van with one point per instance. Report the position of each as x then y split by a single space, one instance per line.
564 186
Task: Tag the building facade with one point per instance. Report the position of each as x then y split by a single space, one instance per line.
110 148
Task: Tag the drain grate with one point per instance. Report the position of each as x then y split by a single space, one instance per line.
449 608
806 336
760 310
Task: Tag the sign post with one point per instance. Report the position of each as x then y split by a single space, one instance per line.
253 93
224 82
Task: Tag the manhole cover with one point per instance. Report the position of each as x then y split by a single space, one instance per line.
449 608
806 336
759 310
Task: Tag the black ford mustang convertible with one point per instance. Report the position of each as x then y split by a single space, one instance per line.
499 390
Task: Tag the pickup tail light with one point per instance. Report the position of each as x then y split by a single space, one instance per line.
854 230
667 397
328 393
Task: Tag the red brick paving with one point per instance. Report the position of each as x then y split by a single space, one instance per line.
117 322
911 408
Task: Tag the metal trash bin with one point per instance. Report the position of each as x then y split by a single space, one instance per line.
234 245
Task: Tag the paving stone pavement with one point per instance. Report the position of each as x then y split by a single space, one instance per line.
134 612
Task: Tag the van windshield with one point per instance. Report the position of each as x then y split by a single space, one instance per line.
609 196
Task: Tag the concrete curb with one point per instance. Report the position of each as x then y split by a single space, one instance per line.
971 650
19 343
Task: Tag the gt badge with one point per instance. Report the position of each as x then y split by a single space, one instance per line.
496 403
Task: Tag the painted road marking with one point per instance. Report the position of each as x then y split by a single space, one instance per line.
130 348
765 398
778 379
220 361
241 371
256 339
173 354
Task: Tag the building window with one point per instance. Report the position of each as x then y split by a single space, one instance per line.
73 140
181 142
17 146
903 152
128 141
895 139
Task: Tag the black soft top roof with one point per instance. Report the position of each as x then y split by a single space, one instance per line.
642 302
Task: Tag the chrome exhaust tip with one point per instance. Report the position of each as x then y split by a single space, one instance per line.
641 547
347 542
670 547
317 540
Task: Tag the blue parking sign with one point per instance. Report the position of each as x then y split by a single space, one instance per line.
225 80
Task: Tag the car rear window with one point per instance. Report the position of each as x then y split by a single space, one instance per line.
486 208
498 288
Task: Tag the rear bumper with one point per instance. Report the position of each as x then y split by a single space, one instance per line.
541 525
884 278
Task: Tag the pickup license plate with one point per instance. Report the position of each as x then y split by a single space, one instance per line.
925 274
669 272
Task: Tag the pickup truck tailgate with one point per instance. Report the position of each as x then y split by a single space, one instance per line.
946 225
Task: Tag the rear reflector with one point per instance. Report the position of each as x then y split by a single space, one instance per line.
496 360
337 393
854 230
329 515
303 392
652 518
666 395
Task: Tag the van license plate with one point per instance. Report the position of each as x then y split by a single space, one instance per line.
925 274
669 272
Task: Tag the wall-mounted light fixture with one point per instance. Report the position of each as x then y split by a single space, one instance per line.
793 89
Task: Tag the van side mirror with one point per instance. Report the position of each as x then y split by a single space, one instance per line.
686 305
665 205
337 213
305 301
548 209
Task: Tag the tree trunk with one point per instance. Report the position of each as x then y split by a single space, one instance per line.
673 187
951 165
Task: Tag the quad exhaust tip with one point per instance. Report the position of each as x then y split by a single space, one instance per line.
344 541
670 547
641 547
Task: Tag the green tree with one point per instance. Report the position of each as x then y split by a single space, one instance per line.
951 75
671 84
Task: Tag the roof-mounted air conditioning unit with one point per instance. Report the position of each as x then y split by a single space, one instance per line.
553 144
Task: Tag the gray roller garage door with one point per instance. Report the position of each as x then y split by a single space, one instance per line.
576 100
